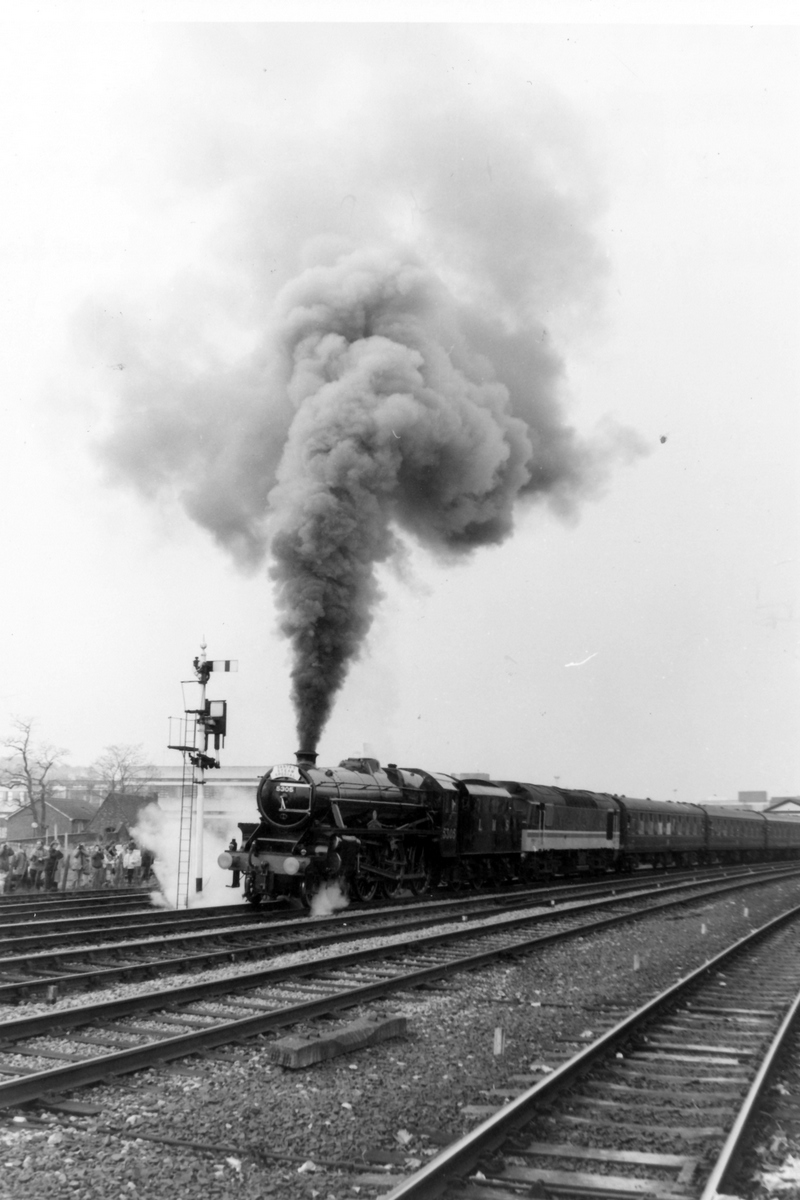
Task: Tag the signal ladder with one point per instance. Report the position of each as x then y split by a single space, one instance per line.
186 742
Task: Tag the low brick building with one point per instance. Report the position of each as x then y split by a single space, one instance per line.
63 817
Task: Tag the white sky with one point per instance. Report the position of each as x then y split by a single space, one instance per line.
650 647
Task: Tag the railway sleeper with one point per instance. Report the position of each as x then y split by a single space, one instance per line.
686 1134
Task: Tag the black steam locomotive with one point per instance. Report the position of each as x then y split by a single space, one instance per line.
374 829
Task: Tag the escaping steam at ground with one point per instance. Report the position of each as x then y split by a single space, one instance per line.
329 899
368 353
159 830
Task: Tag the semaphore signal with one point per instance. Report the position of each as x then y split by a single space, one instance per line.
204 720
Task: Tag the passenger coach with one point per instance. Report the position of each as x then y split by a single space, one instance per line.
661 833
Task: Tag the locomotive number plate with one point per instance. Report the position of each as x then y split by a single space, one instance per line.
284 771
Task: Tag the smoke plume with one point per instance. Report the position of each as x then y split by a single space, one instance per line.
376 325
400 424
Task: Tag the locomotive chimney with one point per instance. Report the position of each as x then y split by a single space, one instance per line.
305 758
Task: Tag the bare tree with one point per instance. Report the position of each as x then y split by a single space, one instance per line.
33 766
123 769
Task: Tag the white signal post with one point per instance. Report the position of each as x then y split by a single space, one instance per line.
212 719
200 810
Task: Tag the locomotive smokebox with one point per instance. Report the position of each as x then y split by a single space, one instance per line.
305 758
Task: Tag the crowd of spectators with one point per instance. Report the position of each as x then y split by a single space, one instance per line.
48 868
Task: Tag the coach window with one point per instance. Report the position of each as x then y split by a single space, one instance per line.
549 814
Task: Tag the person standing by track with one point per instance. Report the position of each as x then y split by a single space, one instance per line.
36 866
131 862
5 866
78 867
148 858
52 859
98 864
19 870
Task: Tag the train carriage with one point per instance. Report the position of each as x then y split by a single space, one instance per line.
661 833
734 834
783 835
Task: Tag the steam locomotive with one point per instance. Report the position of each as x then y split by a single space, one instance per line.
374 829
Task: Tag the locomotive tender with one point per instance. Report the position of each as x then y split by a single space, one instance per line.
373 829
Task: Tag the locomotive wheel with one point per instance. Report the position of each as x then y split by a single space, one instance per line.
310 885
363 887
394 861
250 894
392 888
533 870
497 874
419 887
464 877
420 864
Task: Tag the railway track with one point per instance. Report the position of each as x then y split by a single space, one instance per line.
63 1049
51 956
23 903
657 1107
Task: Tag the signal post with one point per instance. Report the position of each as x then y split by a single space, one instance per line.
204 720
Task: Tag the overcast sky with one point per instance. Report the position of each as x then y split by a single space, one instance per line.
623 195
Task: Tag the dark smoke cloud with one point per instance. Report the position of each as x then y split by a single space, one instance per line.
387 293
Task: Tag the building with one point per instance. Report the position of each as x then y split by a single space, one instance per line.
758 801
229 791
117 816
786 806
64 818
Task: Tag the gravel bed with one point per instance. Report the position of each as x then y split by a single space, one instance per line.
398 1101
123 990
